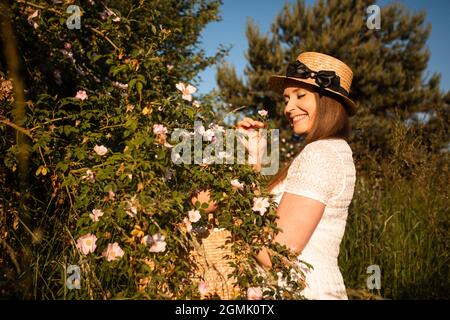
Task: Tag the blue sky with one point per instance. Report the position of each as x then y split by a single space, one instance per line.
234 13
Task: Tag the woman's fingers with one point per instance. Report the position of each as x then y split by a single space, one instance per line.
254 123
259 124
249 123
243 124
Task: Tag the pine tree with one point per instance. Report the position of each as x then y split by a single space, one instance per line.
388 64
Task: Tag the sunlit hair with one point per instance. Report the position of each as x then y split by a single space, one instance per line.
331 121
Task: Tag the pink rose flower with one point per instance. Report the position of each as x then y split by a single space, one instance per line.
113 252
263 113
86 244
254 293
203 288
159 129
82 95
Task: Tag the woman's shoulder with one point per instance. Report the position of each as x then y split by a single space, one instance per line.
329 143
327 147
334 154
320 170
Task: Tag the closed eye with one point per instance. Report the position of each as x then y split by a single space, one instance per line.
298 97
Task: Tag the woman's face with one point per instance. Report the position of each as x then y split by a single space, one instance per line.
301 107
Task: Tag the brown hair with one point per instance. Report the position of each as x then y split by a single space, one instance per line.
331 121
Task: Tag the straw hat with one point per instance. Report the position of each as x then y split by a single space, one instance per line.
319 70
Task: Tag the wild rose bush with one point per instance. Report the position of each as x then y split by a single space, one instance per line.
103 191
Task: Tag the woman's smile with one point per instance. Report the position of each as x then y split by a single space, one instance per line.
298 118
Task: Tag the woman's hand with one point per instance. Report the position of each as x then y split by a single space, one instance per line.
252 140
249 123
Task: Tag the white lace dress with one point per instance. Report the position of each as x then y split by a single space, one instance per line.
324 170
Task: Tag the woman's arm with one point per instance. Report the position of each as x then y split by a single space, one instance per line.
298 217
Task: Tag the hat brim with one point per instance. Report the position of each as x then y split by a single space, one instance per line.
277 84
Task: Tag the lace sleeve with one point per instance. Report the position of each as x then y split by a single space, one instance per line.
315 173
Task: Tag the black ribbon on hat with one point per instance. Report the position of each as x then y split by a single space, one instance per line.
324 78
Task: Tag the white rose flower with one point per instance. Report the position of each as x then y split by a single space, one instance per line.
156 242
120 85
237 185
100 150
159 245
96 214
132 209
194 215
188 224
89 175
186 91
260 205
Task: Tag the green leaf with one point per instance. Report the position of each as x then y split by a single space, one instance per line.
62 166
116 70
139 87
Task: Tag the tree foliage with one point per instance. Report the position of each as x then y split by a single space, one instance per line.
100 103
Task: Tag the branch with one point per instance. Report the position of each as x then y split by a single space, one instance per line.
113 126
50 121
83 169
40 7
15 126
106 37
12 255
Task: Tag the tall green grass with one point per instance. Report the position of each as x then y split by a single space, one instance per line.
399 219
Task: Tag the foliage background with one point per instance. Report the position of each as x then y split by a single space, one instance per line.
127 57
399 217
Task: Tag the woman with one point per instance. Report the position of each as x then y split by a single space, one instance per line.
314 191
